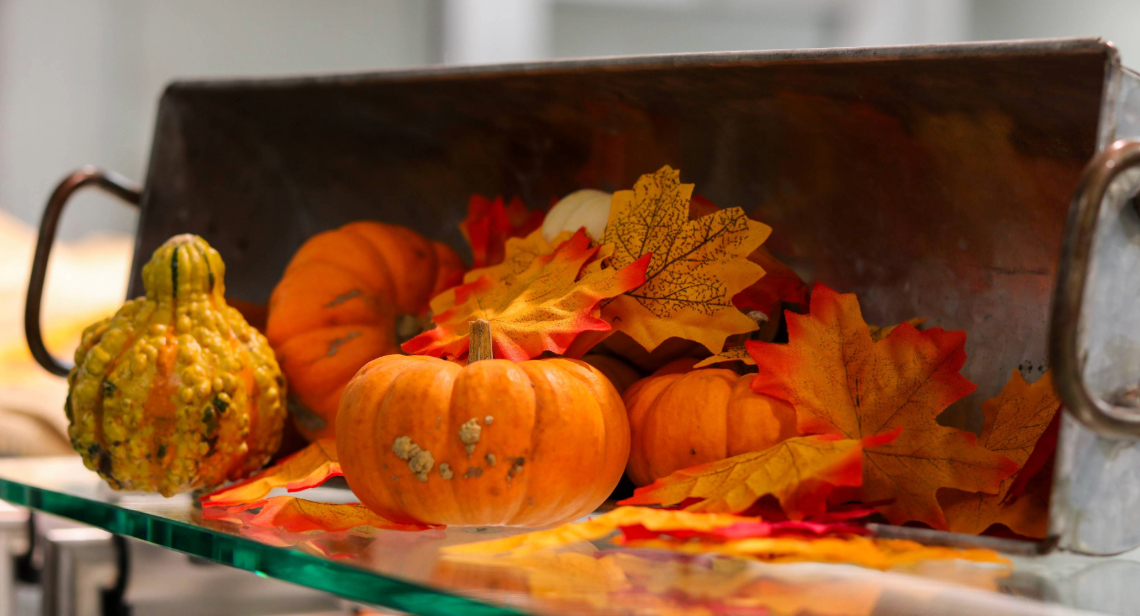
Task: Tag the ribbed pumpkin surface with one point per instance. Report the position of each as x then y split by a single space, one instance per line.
347 297
493 443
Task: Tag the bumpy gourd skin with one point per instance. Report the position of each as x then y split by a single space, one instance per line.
176 391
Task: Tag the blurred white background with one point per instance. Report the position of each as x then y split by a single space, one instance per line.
80 79
80 82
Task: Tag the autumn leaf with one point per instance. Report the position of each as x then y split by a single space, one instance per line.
599 527
697 265
1039 462
868 552
878 332
800 472
748 530
842 383
780 285
540 309
737 353
308 468
490 223
1014 422
295 515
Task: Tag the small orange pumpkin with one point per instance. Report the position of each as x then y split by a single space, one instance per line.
680 417
347 297
492 443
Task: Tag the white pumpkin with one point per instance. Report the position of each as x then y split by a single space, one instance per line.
582 208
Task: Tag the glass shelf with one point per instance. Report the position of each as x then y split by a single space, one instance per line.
406 570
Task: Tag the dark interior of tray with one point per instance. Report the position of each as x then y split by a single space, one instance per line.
932 183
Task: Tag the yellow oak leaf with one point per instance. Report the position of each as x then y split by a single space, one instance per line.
696 269
542 308
1014 421
598 528
800 472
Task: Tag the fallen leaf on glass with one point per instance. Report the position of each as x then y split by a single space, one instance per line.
308 468
597 528
490 223
562 576
737 353
697 265
542 309
868 552
800 472
1014 422
840 382
295 515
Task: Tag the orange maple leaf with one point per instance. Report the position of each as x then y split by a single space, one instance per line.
878 332
697 265
296 515
841 382
542 308
490 223
1014 421
308 468
800 472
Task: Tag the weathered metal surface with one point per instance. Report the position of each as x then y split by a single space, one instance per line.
1096 486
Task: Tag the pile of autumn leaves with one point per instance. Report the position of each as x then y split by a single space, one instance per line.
867 399
868 411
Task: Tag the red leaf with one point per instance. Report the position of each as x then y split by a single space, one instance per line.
748 530
1038 460
295 515
305 469
490 223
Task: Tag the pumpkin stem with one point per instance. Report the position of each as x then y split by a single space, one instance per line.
480 348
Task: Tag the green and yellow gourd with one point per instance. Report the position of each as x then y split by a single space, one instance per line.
176 391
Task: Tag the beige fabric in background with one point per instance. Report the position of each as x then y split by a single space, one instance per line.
87 281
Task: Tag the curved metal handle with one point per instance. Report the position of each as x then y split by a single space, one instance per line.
87 176
1064 336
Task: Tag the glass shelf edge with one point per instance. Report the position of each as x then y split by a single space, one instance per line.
241 553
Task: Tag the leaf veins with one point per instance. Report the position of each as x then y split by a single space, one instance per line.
697 265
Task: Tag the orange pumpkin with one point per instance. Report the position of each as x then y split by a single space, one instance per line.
621 374
492 443
680 417
349 296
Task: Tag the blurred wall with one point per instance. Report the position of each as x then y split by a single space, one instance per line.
1114 20
79 79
